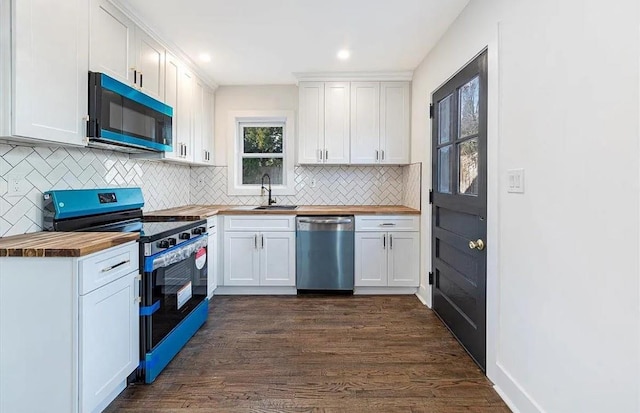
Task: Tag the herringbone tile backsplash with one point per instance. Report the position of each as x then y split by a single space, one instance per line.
168 185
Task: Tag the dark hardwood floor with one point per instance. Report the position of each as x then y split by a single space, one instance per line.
317 354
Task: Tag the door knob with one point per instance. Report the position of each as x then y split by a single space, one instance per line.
476 245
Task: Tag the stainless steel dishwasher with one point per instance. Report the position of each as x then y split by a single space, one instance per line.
324 253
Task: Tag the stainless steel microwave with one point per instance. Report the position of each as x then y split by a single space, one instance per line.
126 119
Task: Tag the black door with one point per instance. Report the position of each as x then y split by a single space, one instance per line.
459 227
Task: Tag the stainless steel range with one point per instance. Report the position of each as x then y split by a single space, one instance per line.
173 265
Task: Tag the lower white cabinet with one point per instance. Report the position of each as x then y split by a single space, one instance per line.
262 253
76 347
213 261
387 259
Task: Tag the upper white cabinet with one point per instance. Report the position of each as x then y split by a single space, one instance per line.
354 122
380 116
202 124
123 51
47 81
324 123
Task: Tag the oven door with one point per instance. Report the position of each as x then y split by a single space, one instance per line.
174 284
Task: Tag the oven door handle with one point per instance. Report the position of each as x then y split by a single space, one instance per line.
183 252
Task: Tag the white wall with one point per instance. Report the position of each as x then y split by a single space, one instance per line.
563 257
239 98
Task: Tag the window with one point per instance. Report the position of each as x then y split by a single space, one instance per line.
262 152
262 144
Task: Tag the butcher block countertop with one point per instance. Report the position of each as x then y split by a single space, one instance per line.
62 244
196 212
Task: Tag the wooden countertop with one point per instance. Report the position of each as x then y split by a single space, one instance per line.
195 212
62 244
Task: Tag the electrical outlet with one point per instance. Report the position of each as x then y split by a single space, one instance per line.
313 183
515 181
16 185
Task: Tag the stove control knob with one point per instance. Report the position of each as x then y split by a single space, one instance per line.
198 230
163 244
185 235
172 241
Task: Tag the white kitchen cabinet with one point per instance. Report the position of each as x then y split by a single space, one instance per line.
380 116
83 343
387 251
395 115
212 255
112 42
202 124
178 90
259 251
46 74
324 123
123 51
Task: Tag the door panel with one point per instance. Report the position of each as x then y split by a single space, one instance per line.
403 259
241 261
311 128
336 122
150 65
277 258
365 122
395 108
371 259
459 162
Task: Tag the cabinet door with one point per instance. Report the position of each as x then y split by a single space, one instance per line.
150 65
212 261
277 258
186 87
199 155
404 259
394 122
365 122
171 80
109 335
311 128
336 122
50 70
241 258
370 259
111 42
207 126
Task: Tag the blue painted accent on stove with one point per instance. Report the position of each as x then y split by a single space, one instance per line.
71 203
158 358
150 309
127 91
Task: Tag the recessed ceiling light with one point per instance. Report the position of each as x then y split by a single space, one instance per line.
205 57
344 54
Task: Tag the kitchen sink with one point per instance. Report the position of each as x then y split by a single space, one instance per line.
277 207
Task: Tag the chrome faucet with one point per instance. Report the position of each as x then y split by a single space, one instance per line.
270 200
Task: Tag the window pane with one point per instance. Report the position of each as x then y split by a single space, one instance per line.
468 163
444 170
444 120
262 139
469 107
254 168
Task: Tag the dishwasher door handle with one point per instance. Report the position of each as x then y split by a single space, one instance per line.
326 221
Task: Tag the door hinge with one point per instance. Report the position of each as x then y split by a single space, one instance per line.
430 110
430 196
430 278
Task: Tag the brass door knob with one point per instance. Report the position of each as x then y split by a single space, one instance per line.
476 245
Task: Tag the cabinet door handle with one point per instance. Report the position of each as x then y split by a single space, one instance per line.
384 242
113 267
376 155
255 241
382 153
140 80
261 241
390 241
321 151
326 154
135 76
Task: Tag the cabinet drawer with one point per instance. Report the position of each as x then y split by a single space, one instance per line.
105 266
259 223
212 223
387 223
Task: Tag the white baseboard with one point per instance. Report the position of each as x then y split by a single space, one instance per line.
226 290
514 396
424 295
384 290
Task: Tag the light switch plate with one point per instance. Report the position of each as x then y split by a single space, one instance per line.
515 181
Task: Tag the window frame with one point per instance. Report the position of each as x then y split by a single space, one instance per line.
239 120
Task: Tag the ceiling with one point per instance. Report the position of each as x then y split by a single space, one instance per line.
266 41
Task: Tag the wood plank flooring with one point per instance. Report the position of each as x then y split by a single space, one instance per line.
317 354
